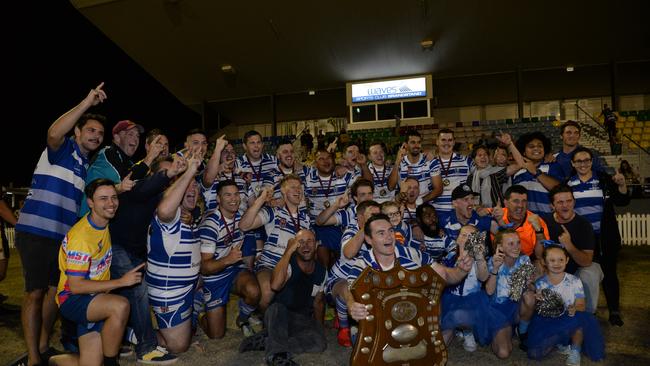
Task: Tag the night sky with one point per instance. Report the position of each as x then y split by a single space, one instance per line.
55 57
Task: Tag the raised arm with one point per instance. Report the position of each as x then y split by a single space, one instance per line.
393 178
57 131
174 195
280 274
251 219
327 218
212 168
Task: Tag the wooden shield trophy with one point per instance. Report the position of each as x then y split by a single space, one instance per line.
403 325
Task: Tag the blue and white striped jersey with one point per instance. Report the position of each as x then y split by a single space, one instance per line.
280 226
173 260
338 271
259 170
590 200
538 201
218 234
408 258
274 177
56 191
439 248
210 194
347 217
320 189
380 180
452 227
454 172
421 170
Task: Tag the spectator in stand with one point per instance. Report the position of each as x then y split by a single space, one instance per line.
49 212
631 177
610 119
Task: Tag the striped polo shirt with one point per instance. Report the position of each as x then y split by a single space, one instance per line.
320 189
54 198
538 201
267 163
217 239
420 170
280 226
455 172
173 260
590 200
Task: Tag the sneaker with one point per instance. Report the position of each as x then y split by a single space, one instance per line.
245 327
256 342
256 323
564 350
523 341
281 359
158 356
469 343
126 350
574 358
615 319
344 337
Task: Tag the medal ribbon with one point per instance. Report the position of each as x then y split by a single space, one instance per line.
296 220
383 174
258 175
445 172
329 184
231 233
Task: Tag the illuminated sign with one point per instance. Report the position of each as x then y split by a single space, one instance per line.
390 89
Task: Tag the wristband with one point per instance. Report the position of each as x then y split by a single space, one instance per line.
494 274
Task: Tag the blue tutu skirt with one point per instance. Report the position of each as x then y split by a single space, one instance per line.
509 309
545 333
472 312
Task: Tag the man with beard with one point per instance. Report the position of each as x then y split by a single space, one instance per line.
464 200
530 227
380 173
115 162
323 186
453 170
294 321
414 164
222 267
286 164
173 259
281 223
576 235
50 210
438 246
255 165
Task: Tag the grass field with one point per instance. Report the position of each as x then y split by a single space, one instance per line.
627 345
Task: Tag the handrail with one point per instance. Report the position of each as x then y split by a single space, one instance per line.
635 143
603 127
592 117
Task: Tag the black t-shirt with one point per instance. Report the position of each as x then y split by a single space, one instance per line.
301 288
582 235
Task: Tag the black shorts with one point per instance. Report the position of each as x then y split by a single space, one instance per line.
40 259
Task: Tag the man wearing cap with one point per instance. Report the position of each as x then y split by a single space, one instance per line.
465 212
114 162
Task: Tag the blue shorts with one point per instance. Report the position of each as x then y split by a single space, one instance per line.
217 293
329 237
171 314
249 247
75 309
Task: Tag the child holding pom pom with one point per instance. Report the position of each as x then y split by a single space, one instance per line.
507 260
574 326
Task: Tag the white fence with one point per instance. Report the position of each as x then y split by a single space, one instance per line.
634 229
10 236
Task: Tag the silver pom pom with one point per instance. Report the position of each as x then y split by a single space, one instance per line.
550 305
520 279
475 245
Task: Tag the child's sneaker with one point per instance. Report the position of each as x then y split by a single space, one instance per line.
564 350
469 343
245 327
574 358
158 356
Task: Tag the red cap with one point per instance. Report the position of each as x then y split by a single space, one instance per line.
126 125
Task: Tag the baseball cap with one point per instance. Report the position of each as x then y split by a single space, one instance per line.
461 191
126 125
